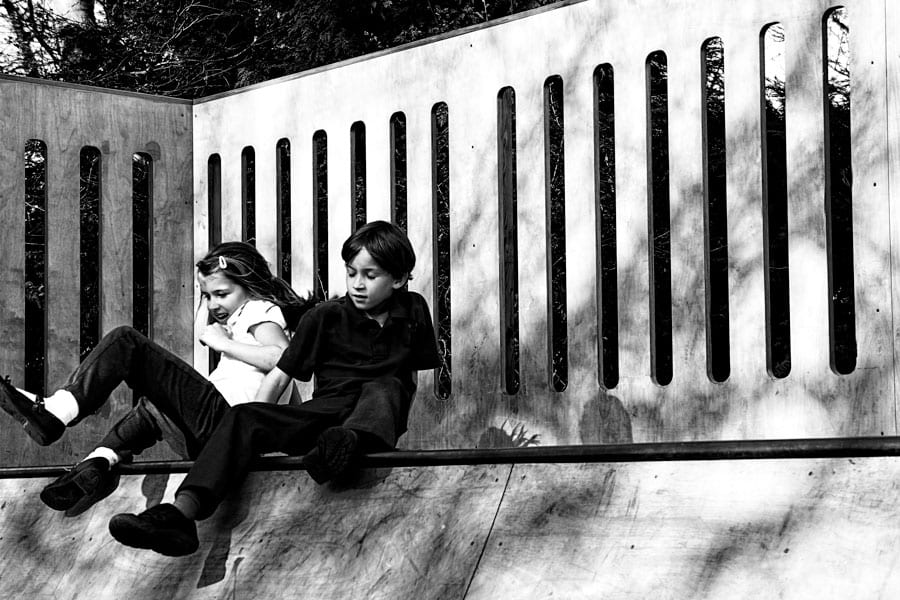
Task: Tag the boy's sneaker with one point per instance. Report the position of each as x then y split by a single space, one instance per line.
42 426
333 454
82 486
161 528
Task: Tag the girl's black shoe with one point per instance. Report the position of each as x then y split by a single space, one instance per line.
42 426
161 528
81 487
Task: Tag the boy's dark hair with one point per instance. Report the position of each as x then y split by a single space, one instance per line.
386 243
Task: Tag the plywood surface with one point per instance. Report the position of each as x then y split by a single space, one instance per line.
817 529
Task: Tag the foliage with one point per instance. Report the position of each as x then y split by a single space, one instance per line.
190 49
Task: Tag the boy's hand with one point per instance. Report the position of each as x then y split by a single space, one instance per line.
215 336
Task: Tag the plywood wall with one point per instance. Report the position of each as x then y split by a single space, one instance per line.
465 72
570 40
66 119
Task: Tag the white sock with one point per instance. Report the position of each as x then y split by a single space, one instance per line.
27 394
62 405
107 453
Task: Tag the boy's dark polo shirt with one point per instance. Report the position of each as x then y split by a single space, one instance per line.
345 349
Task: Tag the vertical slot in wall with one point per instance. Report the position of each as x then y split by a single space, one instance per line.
605 191
509 263
399 213
35 265
283 208
718 353
775 211
555 170
142 239
90 191
660 247
248 195
440 178
358 174
839 193
320 213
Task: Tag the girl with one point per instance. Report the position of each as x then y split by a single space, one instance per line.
252 312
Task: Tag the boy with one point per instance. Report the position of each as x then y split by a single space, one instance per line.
363 349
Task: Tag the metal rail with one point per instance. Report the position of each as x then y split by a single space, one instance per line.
597 453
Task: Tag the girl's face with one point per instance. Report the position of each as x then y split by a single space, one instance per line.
368 285
223 295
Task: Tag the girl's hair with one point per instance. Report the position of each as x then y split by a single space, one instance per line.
243 264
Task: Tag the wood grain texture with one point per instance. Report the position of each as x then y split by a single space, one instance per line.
467 71
66 119
804 528
791 529
406 533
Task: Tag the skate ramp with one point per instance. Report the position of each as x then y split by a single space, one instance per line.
806 528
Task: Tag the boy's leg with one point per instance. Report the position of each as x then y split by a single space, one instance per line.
377 421
380 414
249 430
246 431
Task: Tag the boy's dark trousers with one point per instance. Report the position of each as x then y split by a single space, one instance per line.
175 389
379 414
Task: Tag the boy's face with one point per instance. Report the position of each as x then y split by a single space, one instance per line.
368 285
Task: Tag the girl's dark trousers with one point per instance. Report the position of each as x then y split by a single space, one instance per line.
175 398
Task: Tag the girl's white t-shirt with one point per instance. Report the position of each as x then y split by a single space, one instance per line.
236 380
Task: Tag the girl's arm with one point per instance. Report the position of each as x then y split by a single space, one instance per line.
272 386
263 357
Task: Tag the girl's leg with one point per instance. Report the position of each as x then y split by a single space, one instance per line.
175 388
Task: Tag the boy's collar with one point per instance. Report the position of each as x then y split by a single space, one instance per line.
396 308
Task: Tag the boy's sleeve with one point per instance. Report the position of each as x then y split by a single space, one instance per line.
425 353
298 359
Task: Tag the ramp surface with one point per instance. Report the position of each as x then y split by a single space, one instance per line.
824 528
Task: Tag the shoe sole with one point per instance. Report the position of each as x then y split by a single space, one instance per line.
79 488
92 498
336 447
9 403
131 530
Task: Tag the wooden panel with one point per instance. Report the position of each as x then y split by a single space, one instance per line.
534 370
720 529
466 70
232 201
406 533
12 249
632 238
746 291
892 176
63 270
266 206
791 529
427 425
581 254
340 217
474 244
688 269
118 125
378 166
302 210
